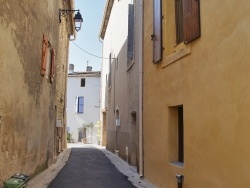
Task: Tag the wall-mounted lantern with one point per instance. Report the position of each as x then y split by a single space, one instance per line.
78 17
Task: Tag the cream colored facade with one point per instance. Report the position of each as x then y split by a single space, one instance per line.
119 81
29 103
210 78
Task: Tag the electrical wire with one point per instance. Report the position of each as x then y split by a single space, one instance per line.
88 52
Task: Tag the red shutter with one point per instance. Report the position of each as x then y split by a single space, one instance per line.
52 68
191 20
157 29
44 55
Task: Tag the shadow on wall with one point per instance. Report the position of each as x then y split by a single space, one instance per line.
122 91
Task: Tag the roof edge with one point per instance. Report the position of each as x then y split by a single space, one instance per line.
105 19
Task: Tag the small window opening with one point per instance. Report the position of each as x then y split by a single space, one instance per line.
83 82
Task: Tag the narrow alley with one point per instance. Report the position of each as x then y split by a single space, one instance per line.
124 94
89 166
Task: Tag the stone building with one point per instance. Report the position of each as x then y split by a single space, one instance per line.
120 112
83 105
33 68
196 93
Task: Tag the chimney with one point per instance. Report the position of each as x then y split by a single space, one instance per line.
71 68
89 69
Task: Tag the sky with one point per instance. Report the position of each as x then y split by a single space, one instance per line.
88 37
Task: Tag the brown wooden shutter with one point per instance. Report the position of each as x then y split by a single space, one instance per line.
157 29
52 68
191 20
44 55
179 21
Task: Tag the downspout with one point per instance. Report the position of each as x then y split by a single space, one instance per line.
141 162
179 178
114 108
101 114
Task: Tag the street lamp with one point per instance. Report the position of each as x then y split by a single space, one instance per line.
78 17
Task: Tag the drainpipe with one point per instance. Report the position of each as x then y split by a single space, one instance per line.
101 109
179 180
141 167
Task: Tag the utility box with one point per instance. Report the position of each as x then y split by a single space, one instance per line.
14 183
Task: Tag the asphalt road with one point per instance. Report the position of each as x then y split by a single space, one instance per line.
89 168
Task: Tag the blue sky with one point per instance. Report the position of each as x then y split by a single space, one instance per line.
88 37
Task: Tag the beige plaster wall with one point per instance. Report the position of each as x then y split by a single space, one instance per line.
211 82
27 99
123 93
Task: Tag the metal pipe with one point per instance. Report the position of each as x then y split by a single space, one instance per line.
141 162
179 178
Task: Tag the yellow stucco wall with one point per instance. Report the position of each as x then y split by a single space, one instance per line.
212 83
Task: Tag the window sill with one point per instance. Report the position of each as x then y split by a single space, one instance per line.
178 164
180 51
130 64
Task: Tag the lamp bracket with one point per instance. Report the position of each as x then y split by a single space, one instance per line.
64 12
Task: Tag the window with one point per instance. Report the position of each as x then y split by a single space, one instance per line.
180 135
176 135
83 82
117 118
156 37
187 18
130 52
79 105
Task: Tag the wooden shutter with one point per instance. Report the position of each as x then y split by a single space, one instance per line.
191 20
52 68
157 29
130 52
44 55
76 101
179 21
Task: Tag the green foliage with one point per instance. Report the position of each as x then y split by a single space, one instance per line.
84 127
69 136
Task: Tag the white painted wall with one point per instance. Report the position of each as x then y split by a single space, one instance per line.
91 94
115 37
